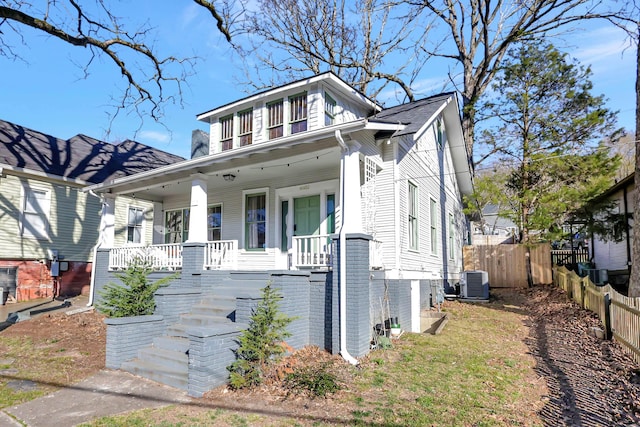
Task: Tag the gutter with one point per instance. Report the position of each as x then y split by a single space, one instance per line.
343 262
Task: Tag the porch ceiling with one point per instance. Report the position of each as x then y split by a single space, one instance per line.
251 168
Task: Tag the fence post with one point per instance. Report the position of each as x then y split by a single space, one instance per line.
583 287
608 333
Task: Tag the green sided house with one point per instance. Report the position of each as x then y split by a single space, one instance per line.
340 203
49 226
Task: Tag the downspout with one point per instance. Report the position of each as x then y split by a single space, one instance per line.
92 281
343 261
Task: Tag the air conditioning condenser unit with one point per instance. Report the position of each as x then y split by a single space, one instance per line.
474 285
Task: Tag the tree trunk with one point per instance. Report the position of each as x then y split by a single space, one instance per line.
468 119
634 282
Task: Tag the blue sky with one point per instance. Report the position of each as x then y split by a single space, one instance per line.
48 92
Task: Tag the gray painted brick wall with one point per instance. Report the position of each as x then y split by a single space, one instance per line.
209 355
126 335
295 303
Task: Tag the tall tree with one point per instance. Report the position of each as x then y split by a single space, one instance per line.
547 126
634 281
151 79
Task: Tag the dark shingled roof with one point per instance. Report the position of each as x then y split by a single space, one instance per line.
412 114
80 157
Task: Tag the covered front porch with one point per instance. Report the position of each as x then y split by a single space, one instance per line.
255 210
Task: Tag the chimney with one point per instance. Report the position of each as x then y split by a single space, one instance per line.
199 143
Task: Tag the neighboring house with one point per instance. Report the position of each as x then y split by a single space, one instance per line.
493 229
295 181
613 256
46 220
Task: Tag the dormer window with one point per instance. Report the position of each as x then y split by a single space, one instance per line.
275 116
226 133
245 131
329 110
298 113
439 133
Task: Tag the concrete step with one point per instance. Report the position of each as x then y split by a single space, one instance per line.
178 378
202 319
170 359
166 342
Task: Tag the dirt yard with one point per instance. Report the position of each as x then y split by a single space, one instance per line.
582 380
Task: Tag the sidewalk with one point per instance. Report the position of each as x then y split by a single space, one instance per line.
106 393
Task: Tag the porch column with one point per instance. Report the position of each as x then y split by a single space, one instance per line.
107 221
198 209
352 208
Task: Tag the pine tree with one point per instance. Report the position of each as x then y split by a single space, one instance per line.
261 344
135 296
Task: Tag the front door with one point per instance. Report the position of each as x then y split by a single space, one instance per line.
306 216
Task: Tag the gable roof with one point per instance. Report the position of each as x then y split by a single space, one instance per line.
80 157
413 114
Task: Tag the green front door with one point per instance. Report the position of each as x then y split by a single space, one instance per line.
306 216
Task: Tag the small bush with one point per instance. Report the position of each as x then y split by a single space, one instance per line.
317 381
262 344
135 296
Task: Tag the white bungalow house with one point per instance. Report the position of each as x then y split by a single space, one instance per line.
316 188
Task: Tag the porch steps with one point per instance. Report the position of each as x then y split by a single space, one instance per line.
167 359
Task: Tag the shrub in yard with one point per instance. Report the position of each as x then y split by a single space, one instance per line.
262 343
135 296
317 381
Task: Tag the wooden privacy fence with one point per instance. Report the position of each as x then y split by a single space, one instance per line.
620 315
506 264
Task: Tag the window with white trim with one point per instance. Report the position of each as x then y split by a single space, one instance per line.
329 110
439 133
412 225
298 113
245 131
452 237
214 223
135 217
255 221
433 217
226 133
35 213
275 119
176 226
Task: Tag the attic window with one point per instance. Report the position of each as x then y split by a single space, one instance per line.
245 132
226 133
275 119
329 110
439 133
298 113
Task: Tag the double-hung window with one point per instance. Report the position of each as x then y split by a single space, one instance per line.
329 110
452 238
226 133
275 118
35 218
433 216
176 225
413 217
245 131
135 218
298 113
439 133
214 223
255 221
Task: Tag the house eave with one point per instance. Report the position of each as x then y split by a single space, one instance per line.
14 170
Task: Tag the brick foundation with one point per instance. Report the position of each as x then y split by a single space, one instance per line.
34 279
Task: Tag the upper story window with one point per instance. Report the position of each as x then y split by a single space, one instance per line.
329 110
226 132
298 113
245 131
439 133
275 115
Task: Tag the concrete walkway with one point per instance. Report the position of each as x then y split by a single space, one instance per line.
106 393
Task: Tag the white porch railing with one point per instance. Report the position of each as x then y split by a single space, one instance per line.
375 255
221 254
158 257
311 251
